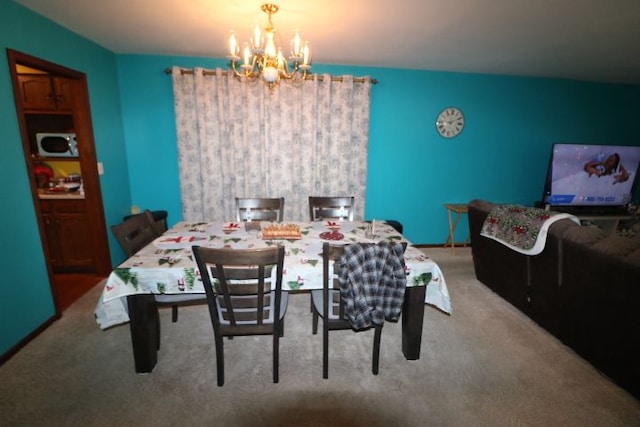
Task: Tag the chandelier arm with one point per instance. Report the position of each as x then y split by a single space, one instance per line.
235 70
285 73
246 75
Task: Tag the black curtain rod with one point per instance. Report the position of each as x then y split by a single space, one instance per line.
308 76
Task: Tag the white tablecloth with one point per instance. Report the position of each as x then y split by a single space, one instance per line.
167 265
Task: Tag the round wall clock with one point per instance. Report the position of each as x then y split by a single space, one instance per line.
450 122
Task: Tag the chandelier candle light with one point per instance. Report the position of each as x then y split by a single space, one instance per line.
262 57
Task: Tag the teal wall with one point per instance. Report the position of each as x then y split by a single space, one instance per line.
26 301
501 155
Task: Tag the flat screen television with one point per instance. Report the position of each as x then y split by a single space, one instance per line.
587 175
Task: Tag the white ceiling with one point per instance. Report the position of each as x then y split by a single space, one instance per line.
596 40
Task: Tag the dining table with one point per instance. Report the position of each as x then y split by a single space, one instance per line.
167 266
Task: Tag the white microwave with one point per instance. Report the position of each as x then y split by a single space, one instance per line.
57 144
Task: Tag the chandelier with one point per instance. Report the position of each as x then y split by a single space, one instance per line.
262 55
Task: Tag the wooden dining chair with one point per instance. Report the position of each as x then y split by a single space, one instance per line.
331 208
244 295
336 208
328 304
259 209
136 232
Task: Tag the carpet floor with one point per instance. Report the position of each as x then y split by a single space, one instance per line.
487 364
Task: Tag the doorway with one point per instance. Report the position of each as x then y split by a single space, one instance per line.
52 101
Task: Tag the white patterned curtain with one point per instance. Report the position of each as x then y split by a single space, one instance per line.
238 139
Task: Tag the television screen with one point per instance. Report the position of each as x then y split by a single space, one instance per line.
591 175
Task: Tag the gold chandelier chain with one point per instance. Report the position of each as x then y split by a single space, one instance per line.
270 9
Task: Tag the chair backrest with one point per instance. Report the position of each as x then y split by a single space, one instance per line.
259 209
244 296
336 208
135 232
332 254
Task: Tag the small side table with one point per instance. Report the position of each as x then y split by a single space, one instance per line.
458 209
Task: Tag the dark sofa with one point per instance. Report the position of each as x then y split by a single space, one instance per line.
584 288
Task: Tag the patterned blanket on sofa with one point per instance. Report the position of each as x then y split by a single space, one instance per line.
521 228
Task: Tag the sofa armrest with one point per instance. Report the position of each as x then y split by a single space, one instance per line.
501 269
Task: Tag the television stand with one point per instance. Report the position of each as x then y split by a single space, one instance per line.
607 223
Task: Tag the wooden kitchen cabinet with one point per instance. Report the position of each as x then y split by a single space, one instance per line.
67 230
45 92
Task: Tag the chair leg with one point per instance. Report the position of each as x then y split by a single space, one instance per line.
276 357
174 313
376 348
220 359
314 327
157 323
325 349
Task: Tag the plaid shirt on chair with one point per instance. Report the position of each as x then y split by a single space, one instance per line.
372 283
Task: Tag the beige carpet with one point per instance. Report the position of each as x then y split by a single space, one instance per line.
485 365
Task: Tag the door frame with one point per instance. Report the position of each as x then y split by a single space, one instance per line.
87 157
